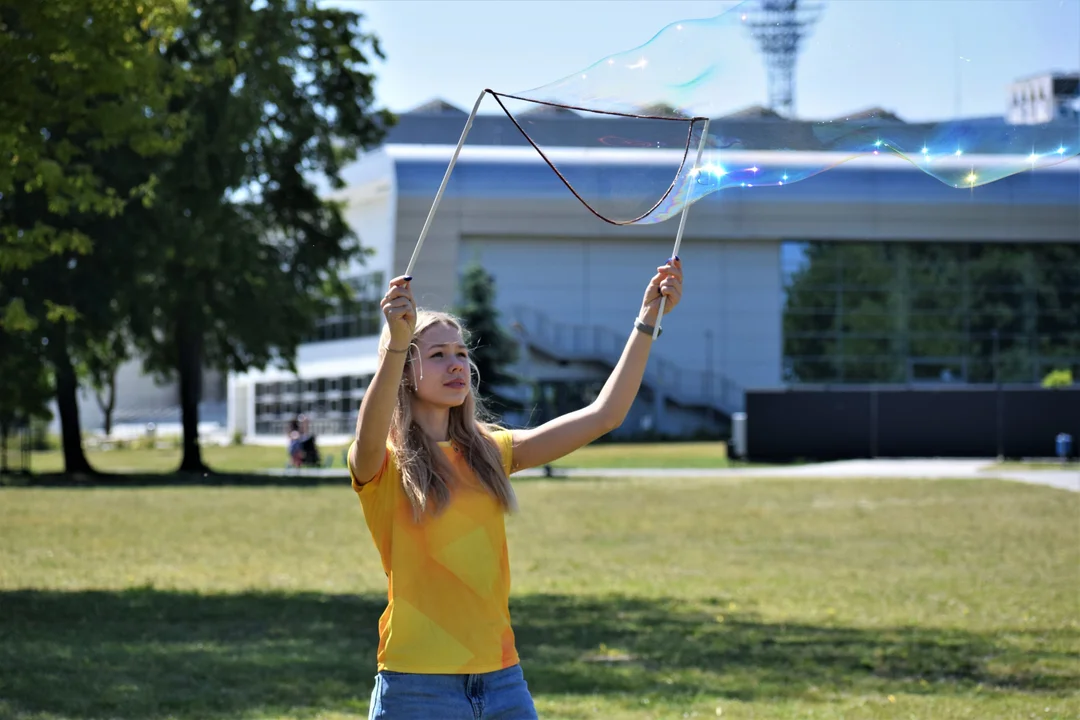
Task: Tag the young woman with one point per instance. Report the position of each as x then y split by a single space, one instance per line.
433 481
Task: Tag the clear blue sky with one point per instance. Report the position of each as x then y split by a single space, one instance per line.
908 56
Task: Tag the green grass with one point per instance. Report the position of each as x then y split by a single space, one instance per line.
251 458
229 458
766 599
650 455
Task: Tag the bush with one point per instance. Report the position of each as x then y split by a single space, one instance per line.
1058 379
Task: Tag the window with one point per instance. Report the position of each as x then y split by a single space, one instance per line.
929 312
328 414
361 318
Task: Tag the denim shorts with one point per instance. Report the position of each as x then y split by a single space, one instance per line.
499 695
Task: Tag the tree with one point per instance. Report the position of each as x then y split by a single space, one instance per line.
25 386
103 362
251 252
81 307
83 117
890 312
80 76
492 348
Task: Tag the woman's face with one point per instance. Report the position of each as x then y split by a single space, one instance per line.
444 364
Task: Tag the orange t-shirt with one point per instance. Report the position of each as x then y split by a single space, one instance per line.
449 575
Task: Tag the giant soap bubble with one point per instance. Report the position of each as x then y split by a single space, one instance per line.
684 74
662 117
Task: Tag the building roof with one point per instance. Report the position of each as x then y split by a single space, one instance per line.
875 114
436 107
754 112
738 132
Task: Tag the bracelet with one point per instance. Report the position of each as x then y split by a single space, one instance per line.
647 329
389 349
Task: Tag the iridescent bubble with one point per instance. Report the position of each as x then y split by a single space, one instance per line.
655 99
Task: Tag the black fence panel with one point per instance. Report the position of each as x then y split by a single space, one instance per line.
936 423
1032 419
839 423
789 426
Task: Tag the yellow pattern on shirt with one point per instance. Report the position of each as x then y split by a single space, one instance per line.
449 575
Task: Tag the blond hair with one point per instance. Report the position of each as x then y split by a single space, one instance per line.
426 473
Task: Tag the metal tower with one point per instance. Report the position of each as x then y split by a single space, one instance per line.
779 26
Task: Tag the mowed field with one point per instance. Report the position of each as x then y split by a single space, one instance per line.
737 598
258 458
254 458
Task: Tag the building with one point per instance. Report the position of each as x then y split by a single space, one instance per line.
1044 98
569 284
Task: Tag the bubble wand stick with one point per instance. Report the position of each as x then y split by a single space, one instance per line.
682 223
445 180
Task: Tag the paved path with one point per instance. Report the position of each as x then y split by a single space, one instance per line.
972 469
878 468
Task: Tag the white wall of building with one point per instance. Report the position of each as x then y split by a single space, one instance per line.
371 208
142 398
333 359
1033 101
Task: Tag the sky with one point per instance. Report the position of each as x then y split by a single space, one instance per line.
924 60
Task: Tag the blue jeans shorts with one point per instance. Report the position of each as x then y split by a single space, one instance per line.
499 695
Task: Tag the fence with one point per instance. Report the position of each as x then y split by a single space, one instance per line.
861 422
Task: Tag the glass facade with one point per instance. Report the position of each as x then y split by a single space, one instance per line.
331 404
910 312
361 320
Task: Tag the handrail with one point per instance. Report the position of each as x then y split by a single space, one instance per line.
567 341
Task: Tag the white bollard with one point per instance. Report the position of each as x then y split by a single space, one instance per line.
738 434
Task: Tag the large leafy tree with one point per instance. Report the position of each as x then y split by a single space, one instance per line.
25 386
251 252
84 118
79 77
492 348
81 307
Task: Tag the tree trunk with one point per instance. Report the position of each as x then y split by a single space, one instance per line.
67 388
3 447
189 369
108 404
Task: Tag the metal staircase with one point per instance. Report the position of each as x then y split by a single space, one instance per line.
596 343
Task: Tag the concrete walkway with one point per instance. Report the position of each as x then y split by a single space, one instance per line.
973 469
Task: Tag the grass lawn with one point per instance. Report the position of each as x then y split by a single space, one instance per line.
229 458
250 458
763 599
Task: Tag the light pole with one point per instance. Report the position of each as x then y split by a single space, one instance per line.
523 348
998 396
709 373
535 395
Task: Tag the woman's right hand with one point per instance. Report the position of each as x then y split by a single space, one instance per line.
399 309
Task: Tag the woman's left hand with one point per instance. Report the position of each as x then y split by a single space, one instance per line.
667 282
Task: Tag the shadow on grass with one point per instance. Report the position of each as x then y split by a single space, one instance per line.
150 654
106 479
292 478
